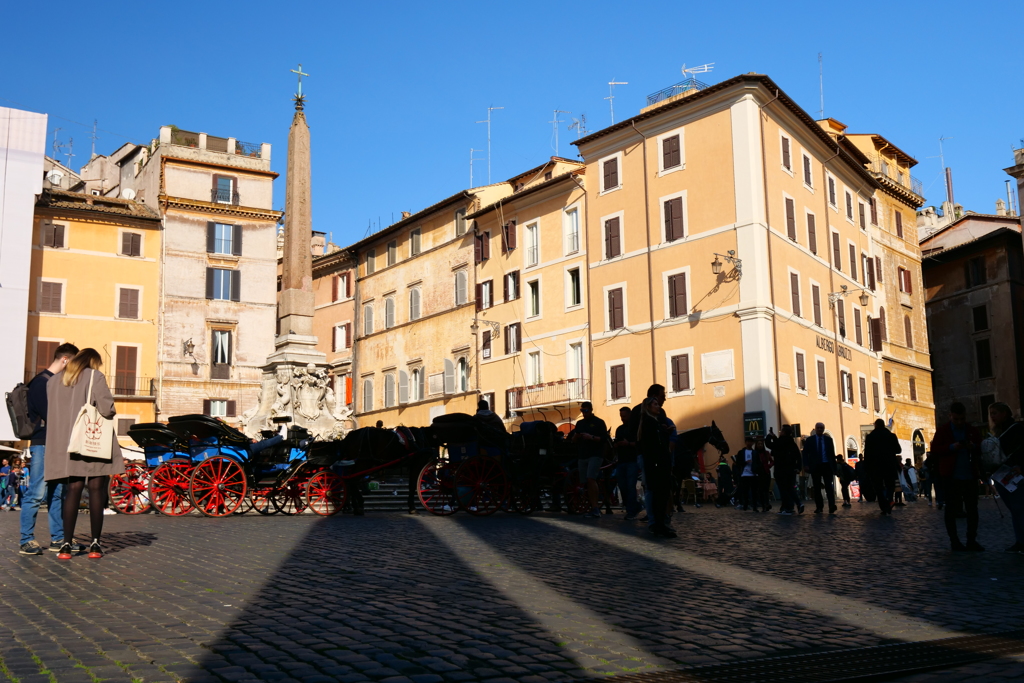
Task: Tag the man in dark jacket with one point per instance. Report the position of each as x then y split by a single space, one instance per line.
881 459
749 463
1011 443
820 461
651 435
725 489
787 464
957 445
38 488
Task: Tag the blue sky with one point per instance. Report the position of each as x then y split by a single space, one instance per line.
396 88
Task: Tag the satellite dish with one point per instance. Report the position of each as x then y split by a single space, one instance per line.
128 193
55 177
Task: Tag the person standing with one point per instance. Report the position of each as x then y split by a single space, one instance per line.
820 461
928 477
786 454
629 471
764 475
39 490
590 436
725 491
66 393
881 459
749 465
846 476
957 445
652 437
1011 442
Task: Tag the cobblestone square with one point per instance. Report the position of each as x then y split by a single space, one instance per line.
420 599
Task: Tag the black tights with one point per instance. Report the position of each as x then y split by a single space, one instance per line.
98 487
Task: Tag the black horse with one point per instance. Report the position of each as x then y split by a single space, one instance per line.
688 444
405 449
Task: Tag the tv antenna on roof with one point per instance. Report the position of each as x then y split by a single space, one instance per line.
611 95
702 69
554 125
580 124
471 160
488 122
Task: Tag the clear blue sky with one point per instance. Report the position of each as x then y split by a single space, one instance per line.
396 87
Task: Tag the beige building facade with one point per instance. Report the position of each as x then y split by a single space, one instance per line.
334 289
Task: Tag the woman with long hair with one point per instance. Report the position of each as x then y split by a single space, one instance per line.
66 393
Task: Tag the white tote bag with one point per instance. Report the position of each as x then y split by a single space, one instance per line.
92 436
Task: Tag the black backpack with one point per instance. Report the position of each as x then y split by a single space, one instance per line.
17 405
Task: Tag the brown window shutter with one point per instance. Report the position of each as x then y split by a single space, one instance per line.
122 305
677 295
206 406
675 373
786 161
211 231
837 260
910 281
832 191
236 241
812 236
822 388
881 323
508 336
816 304
348 335
618 381
673 219
485 344
870 262
794 289
349 277
801 379
853 261
807 171
126 243
670 152
908 331
863 392
875 327
236 285
913 389
515 279
874 211
478 248
615 321
684 372
504 238
791 219
519 337
513 237
878 268
858 331
874 395
232 408
133 304
863 222
612 245
479 296
899 224
334 288
486 246
611 174
841 314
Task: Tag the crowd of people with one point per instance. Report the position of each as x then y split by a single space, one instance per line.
958 467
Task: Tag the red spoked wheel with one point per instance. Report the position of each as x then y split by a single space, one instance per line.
245 505
168 488
326 493
129 492
481 485
217 486
290 499
260 499
576 499
522 500
436 488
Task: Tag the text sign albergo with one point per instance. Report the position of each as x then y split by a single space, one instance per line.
826 344
755 424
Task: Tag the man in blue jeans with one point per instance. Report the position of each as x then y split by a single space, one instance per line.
39 489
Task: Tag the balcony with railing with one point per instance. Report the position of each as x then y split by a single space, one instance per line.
219 195
232 147
559 394
132 386
677 89
893 173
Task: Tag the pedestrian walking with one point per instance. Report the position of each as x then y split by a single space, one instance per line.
957 445
591 438
908 481
12 493
750 466
764 475
928 474
820 461
40 490
846 476
628 470
725 490
66 393
652 437
881 460
786 455
1011 443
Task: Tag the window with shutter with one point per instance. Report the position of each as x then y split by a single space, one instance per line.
841 314
220 354
611 174
888 384
533 301
677 295
881 323
822 384
801 376
449 376
870 266
348 335
368 394
392 253
670 157
794 290
53 235
50 297
812 234
875 330
414 303
460 222
908 332
787 163
875 397
371 261
673 209
485 344
680 372
832 191
461 287
863 220
863 392
858 332
899 224
389 312
128 304
612 245
849 206
983 352
853 261
574 295
615 312
979 315
131 244
617 382
368 319
913 389
816 304
415 238
334 288
125 368
837 253
511 236
389 390
791 219
874 211
808 176
403 387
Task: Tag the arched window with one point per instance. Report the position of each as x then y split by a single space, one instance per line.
389 390
368 319
414 303
389 312
462 373
368 394
908 331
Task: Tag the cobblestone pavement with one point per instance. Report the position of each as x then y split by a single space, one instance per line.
419 599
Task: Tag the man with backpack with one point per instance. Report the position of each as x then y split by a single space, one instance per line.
39 488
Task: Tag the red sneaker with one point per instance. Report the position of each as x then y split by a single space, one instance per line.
65 552
95 552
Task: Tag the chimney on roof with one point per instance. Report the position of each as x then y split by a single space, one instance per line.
405 214
1000 207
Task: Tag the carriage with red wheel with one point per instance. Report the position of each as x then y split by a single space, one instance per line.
130 492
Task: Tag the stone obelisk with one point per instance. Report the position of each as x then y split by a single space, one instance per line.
296 383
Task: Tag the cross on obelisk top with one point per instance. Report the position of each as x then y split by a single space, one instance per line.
299 99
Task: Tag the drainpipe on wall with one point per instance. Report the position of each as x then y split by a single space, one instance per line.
650 271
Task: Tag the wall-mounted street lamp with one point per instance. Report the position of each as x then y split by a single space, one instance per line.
833 297
188 348
730 257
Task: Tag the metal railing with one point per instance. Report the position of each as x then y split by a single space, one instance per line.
561 392
897 176
132 385
224 196
684 86
248 149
